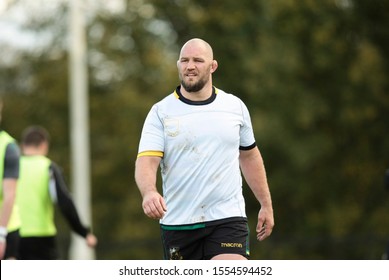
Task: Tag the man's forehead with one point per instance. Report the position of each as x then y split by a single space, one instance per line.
196 48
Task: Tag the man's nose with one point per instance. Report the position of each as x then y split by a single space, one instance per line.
191 64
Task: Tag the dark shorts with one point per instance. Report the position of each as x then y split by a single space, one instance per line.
12 247
204 241
38 248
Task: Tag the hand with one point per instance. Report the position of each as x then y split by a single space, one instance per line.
3 245
265 223
154 205
91 240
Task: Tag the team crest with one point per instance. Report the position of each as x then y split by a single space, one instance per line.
171 127
175 253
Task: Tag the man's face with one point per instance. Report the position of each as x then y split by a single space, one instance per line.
194 67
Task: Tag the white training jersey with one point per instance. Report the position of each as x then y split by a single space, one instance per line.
199 144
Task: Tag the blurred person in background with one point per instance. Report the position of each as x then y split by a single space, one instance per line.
9 173
41 186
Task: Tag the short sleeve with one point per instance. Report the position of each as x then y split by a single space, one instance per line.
11 161
152 137
247 138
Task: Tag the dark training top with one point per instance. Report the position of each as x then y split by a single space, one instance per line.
11 161
65 202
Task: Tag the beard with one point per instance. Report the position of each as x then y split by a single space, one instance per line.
194 86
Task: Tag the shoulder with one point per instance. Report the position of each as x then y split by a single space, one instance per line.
172 97
228 96
13 149
12 152
5 137
54 166
230 101
166 104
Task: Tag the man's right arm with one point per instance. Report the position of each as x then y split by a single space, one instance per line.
11 175
146 169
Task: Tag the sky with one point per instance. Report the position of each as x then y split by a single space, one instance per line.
16 13
11 18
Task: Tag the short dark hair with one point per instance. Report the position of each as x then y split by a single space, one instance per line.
35 135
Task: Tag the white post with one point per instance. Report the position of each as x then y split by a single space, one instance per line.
79 127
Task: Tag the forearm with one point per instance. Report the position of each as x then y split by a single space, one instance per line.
254 172
69 211
153 204
9 194
66 203
6 211
146 174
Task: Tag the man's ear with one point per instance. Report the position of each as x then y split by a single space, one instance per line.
214 66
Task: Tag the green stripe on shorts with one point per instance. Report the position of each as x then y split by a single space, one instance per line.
183 227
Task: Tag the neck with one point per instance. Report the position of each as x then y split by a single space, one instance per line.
200 95
33 151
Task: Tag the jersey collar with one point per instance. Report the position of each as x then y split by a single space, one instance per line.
178 94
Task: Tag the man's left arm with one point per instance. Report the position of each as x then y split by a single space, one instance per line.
253 170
